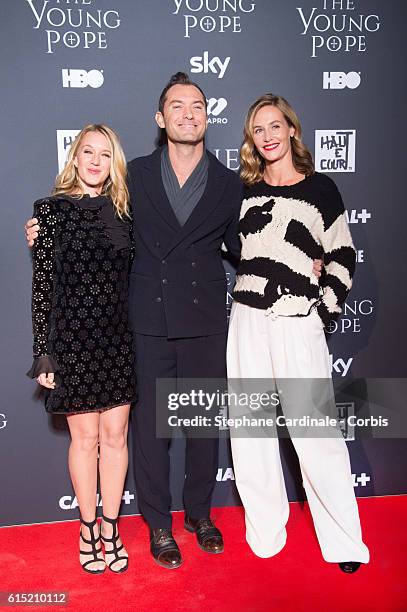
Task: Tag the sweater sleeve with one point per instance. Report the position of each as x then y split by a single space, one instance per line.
42 288
339 255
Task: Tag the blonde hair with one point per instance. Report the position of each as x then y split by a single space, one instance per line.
252 164
67 182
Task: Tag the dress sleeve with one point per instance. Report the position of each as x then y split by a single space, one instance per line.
42 288
130 187
339 257
132 237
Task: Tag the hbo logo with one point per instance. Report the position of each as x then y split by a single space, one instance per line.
81 78
340 80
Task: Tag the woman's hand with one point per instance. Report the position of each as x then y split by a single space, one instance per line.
31 229
317 267
46 380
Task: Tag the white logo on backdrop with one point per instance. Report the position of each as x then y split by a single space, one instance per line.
340 366
215 108
340 80
345 410
73 26
64 140
360 256
204 64
335 150
225 474
361 479
67 502
229 296
228 157
219 16
77 77
343 30
354 216
353 313
3 421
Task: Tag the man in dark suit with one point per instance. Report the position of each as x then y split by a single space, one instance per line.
185 205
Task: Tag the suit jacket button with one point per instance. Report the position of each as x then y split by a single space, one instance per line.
194 283
195 300
165 281
157 244
158 299
163 261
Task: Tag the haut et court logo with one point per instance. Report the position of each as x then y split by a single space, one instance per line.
64 140
345 410
335 150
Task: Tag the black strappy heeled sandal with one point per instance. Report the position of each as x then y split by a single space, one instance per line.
116 549
95 551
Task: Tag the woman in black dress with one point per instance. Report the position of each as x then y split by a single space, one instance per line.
83 349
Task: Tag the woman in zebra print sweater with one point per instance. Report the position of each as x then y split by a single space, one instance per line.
290 216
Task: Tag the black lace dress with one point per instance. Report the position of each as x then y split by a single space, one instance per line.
81 263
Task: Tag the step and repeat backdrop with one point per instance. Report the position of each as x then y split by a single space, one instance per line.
66 63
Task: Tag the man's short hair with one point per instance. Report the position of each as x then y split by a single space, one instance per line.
180 78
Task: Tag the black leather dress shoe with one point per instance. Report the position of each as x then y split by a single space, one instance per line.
349 567
208 536
164 548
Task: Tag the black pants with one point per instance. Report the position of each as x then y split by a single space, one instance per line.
159 357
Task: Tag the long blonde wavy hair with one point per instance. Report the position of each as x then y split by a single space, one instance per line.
252 165
67 182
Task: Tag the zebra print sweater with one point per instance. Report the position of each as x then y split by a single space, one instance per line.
282 230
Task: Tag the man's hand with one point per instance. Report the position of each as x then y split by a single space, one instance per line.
46 380
31 232
317 267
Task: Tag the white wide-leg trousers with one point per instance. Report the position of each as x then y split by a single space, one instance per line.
267 347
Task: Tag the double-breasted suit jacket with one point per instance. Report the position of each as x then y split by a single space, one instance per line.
177 283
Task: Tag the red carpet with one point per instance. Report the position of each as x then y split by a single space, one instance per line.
44 558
